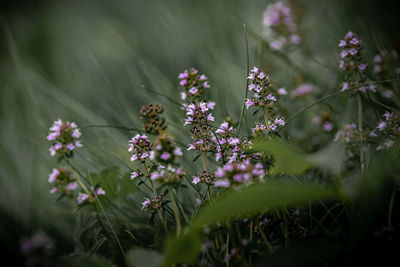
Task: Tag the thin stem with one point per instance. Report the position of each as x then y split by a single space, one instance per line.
162 221
227 249
266 118
176 212
360 128
205 160
209 192
247 80
391 204
148 176
264 238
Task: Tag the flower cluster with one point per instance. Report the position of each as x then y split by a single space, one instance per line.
62 182
304 90
349 133
228 145
389 127
165 149
167 175
260 129
142 148
260 85
353 64
238 173
153 124
64 137
279 22
324 121
205 177
193 83
198 116
91 197
154 203
352 53
384 62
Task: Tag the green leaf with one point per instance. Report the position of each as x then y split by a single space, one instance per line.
329 158
140 257
247 202
184 249
258 197
287 159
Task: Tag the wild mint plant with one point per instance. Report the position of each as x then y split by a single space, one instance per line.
280 25
64 137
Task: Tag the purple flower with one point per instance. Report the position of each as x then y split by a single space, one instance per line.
234 141
279 121
184 75
178 151
327 126
72 186
271 97
282 91
53 175
134 175
82 197
249 103
53 190
353 51
382 125
362 66
165 156
146 203
100 191
222 183
344 53
193 90
196 180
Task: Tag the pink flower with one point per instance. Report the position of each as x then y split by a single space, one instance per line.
165 156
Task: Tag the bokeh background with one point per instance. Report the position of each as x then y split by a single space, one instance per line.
87 62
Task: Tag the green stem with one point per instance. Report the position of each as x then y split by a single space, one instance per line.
227 249
209 192
266 118
247 80
205 160
360 128
176 212
391 204
162 221
265 238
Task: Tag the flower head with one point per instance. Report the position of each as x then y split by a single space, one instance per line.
64 137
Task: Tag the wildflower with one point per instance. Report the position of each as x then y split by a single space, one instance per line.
142 148
64 137
282 91
154 203
82 197
204 177
193 83
152 122
327 126
62 181
279 22
260 85
167 175
238 173
198 117
304 90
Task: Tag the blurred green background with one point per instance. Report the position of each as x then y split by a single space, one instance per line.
86 61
